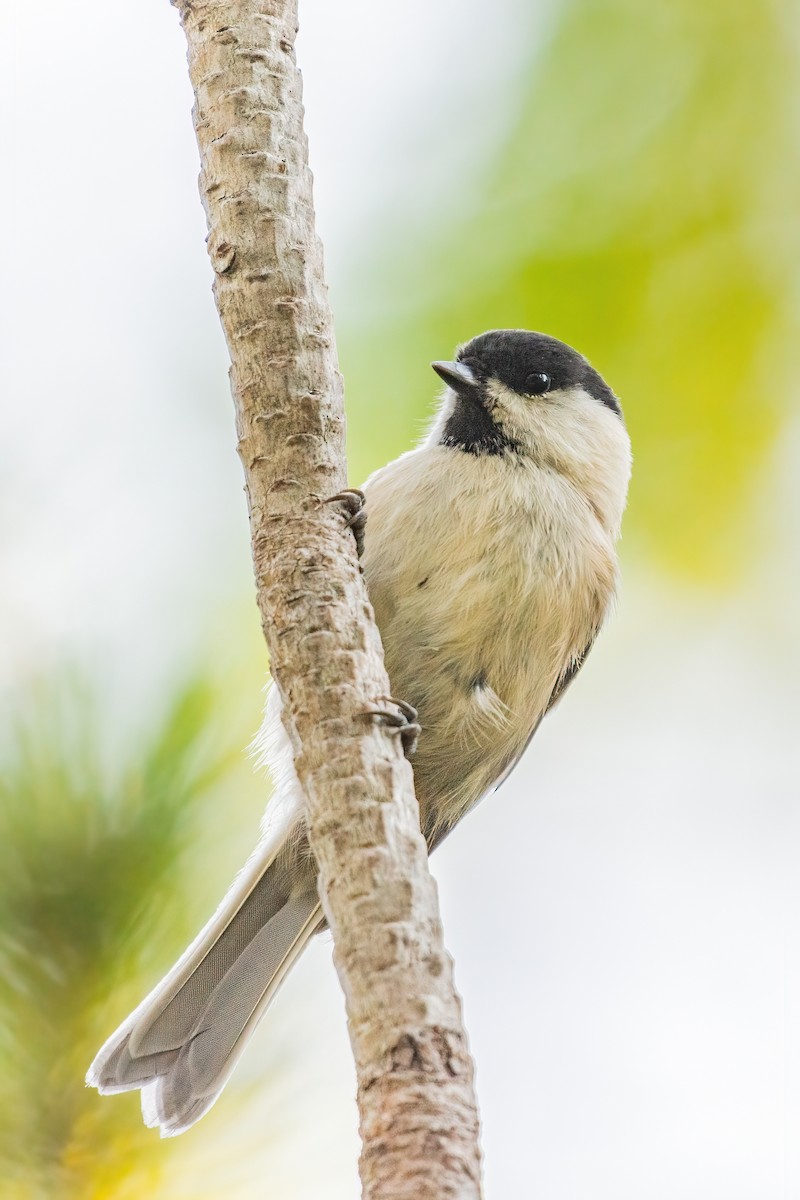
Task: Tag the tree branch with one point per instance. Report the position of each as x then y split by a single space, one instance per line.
419 1121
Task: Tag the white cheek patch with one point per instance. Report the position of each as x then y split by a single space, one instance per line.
571 432
509 410
550 428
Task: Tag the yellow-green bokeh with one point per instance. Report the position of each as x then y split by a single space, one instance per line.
641 205
638 198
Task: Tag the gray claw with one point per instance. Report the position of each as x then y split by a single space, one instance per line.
352 501
403 722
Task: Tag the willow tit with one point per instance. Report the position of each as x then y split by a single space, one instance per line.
489 559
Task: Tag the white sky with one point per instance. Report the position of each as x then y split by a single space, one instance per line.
115 423
620 912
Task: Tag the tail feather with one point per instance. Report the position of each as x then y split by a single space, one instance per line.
182 1042
176 1021
206 1059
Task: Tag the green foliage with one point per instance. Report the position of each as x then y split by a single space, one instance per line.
639 201
642 207
88 853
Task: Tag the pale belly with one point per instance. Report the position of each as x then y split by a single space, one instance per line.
481 607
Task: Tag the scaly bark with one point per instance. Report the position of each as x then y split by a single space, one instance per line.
419 1121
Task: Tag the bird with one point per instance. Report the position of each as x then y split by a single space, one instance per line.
489 556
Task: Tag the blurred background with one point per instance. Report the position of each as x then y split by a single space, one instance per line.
624 914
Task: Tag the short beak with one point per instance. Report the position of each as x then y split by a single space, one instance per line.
456 375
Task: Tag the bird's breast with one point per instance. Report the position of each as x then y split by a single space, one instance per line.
486 584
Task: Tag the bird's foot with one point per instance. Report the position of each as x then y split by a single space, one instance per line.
353 503
403 721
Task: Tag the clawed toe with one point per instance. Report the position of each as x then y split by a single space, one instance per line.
408 710
352 501
402 719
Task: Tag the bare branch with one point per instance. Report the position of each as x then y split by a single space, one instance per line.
419 1119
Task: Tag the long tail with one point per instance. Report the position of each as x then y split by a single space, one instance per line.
182 1042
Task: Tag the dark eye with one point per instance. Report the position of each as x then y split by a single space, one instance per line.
537 384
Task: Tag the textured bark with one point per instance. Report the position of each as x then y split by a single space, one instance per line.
419 1121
